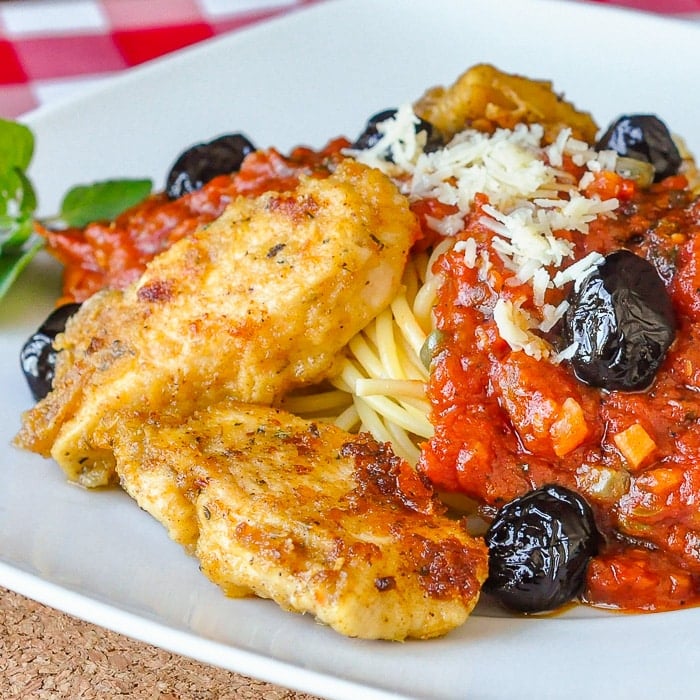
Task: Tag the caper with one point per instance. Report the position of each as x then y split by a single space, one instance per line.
638 170
430 347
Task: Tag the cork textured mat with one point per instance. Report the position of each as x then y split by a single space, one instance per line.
47 655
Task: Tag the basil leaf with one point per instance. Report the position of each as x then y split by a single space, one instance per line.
14 235
12 264
81 205
17 195
28 200
16 145
17 206
102 201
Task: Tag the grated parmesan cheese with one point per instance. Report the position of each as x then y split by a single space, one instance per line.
541 282
551 315
579 270
449 225
531 200
515 327
468 247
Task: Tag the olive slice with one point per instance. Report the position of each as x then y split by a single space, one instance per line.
371 134
204 161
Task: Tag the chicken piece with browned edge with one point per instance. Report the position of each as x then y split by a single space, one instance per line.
317 519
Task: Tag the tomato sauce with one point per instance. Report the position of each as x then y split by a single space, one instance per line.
114 254
506 423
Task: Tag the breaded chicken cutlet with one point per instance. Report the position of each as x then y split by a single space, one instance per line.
316 519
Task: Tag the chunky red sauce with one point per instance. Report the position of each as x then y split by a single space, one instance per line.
504 422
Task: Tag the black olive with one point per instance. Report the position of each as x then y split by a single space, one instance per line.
539 548
371 134
621 322
204 161
38 356
643 137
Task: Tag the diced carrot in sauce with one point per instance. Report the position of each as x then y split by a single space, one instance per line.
608 185
570 428
635 444
657 584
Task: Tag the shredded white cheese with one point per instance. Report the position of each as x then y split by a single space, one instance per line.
468 247
531 201
515 327
579 270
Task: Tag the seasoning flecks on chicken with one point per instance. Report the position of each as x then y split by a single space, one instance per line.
317 519
258 302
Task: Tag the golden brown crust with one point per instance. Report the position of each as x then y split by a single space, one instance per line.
319 520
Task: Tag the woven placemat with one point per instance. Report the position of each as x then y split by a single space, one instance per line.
47 655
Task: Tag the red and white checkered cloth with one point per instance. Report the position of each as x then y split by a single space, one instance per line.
51 47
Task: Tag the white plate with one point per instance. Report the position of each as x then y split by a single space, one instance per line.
302 79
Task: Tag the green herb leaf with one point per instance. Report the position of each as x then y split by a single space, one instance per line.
14 235
16 145
12 264
28 200
102 201
17 197
17 206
